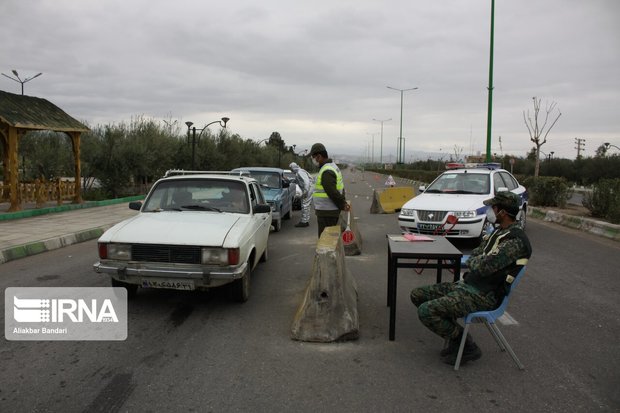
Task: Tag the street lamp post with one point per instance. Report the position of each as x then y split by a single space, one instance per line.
608 145
401 153
381 152
189 127
19 80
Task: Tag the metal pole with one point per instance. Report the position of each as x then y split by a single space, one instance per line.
381 152
400 135
490 103
193 146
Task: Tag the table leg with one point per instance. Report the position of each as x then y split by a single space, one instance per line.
457 269
389 275
439 268
392 302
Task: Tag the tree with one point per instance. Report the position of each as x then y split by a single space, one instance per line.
538 133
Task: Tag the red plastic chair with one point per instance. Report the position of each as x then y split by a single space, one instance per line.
441 230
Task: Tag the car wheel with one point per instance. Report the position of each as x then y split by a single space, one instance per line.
277 225
240 289
132 289
265 256
523 218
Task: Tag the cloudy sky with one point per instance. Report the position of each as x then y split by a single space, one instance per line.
318 70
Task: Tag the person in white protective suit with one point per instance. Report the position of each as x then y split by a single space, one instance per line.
306 184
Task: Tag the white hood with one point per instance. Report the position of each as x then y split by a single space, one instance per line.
178 228
446 202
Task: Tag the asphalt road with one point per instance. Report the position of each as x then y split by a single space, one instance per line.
191 351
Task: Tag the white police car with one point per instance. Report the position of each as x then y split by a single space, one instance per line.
460 191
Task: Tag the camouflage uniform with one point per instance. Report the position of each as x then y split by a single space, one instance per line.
483 287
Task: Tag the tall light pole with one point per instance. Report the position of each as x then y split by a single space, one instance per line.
19 80
490 103
189 126
372 153
381 152
401 153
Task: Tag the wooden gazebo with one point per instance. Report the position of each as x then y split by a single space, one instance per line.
20 114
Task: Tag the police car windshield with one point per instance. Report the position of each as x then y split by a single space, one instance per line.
460 183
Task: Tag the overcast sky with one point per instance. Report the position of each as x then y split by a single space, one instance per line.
318 70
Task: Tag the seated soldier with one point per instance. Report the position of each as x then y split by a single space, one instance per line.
499 256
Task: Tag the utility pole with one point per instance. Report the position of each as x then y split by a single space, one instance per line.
581 146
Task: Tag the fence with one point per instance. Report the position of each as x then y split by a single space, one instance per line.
40 192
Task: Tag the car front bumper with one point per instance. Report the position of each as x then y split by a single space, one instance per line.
139 272
465 228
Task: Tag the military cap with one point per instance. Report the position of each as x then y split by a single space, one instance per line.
316 148
505 200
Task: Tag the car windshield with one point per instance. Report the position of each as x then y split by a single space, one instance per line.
460 183
198 195
267 179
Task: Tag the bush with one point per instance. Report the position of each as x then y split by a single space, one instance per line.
548 191
604 200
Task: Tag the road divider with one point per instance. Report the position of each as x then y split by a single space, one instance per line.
390 200
328 311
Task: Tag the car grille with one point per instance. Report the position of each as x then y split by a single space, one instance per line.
182 254
431 216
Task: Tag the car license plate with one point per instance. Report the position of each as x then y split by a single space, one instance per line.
169 284
428 227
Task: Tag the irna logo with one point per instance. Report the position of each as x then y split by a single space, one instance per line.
29 310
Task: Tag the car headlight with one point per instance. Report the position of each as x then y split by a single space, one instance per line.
115 251
464 214
407 212
220 256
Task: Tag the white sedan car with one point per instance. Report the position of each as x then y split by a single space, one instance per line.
194 231
460 192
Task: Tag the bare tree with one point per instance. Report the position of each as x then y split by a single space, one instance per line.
538 133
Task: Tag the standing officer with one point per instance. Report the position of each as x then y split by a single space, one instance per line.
328 196
305 182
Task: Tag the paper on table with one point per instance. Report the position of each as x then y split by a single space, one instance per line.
416 237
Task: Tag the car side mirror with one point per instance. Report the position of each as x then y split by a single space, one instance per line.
285 183
261 209
136 205
422 188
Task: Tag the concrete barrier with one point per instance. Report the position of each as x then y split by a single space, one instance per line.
328 311
390 200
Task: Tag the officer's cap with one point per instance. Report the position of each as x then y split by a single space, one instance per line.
505 200
316 148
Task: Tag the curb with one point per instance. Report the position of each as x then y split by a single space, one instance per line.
37 247
63 208
592 226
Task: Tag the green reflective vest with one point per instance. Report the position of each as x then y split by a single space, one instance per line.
320 197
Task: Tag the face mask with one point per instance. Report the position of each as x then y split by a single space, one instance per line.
315 162
491 215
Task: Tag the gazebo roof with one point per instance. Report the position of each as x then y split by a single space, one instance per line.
32 113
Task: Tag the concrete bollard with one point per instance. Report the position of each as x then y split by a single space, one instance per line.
328 311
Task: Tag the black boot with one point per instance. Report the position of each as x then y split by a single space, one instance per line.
302 225
452 347
471 352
